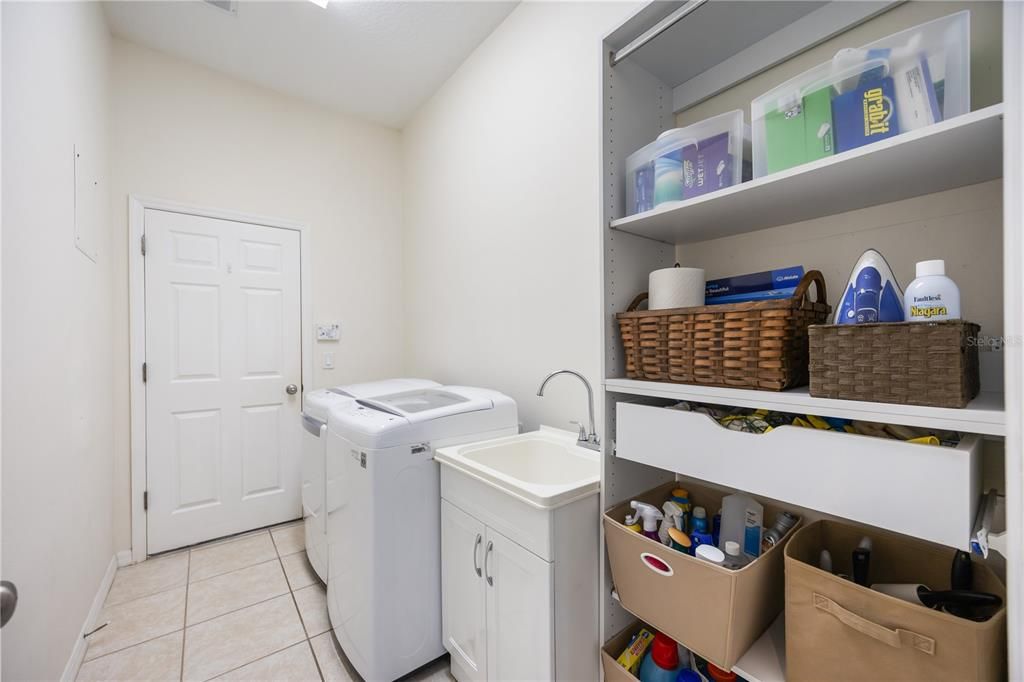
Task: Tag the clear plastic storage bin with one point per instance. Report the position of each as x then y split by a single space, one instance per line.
687 162
900 83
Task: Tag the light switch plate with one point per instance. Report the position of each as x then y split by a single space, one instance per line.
328 332
328 360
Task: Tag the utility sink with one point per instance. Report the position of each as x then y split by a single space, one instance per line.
544 468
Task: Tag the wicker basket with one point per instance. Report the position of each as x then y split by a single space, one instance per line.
910 363
760 345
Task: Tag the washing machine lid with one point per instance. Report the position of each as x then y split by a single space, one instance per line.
425 415
427 404
371 389
318 403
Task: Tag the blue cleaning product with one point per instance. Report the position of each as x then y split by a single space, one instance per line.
699 520
698 538
872 293
662 662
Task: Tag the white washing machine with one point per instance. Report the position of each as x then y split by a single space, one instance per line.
384 521
315 406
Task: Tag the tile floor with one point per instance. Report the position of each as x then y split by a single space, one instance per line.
244 608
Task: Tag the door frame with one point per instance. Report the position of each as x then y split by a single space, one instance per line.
137 206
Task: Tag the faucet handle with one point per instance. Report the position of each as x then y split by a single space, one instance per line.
583 430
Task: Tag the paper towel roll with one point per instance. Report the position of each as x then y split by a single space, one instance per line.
675 288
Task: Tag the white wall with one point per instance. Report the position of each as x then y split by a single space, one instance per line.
189 134
502 213
58 329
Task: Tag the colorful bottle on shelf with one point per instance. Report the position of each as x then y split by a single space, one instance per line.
649 517
700 520
931 296
680 541
661 664
681 496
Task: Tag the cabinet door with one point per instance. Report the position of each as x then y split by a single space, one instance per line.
463 618
520 612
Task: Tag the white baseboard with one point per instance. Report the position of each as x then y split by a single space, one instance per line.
124 557
78 652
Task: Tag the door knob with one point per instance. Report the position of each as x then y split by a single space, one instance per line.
291 389
8 601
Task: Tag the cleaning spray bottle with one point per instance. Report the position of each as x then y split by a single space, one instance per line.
673 519
650 516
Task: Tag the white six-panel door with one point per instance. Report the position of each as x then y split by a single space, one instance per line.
223 346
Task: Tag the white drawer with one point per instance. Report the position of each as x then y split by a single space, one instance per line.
930 492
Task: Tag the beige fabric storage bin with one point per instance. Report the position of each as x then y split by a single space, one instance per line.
716 612
838 630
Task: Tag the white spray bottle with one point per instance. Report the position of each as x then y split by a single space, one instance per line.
673 519
650 516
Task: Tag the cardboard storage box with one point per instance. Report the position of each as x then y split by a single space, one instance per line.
613 672
838 630
714 611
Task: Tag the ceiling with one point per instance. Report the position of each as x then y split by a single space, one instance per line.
378 60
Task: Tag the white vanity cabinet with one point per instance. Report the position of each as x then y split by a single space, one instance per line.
518 583
497 602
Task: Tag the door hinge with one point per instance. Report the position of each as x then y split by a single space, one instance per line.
143 245
145 372
145 500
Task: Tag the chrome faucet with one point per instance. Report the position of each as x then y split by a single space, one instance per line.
587 440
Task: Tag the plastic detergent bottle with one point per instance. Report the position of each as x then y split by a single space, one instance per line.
742 518
734 558
932 296
681 496
700 520
673 520
661 664
649 515
687 675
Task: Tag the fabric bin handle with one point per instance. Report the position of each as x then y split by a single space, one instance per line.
897 638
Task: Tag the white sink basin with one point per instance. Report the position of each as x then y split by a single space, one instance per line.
544 468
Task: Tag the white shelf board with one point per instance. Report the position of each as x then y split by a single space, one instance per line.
984 415
765 661
961 151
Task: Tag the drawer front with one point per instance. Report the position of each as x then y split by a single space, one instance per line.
925 491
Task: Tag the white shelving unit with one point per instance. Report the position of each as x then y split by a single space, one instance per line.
900 167
766 660
650 73
984 415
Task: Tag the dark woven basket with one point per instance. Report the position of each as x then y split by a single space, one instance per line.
760 345
910 363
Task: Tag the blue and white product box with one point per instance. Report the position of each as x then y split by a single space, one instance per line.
866 114
707 166
688 162
754 286
769 295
